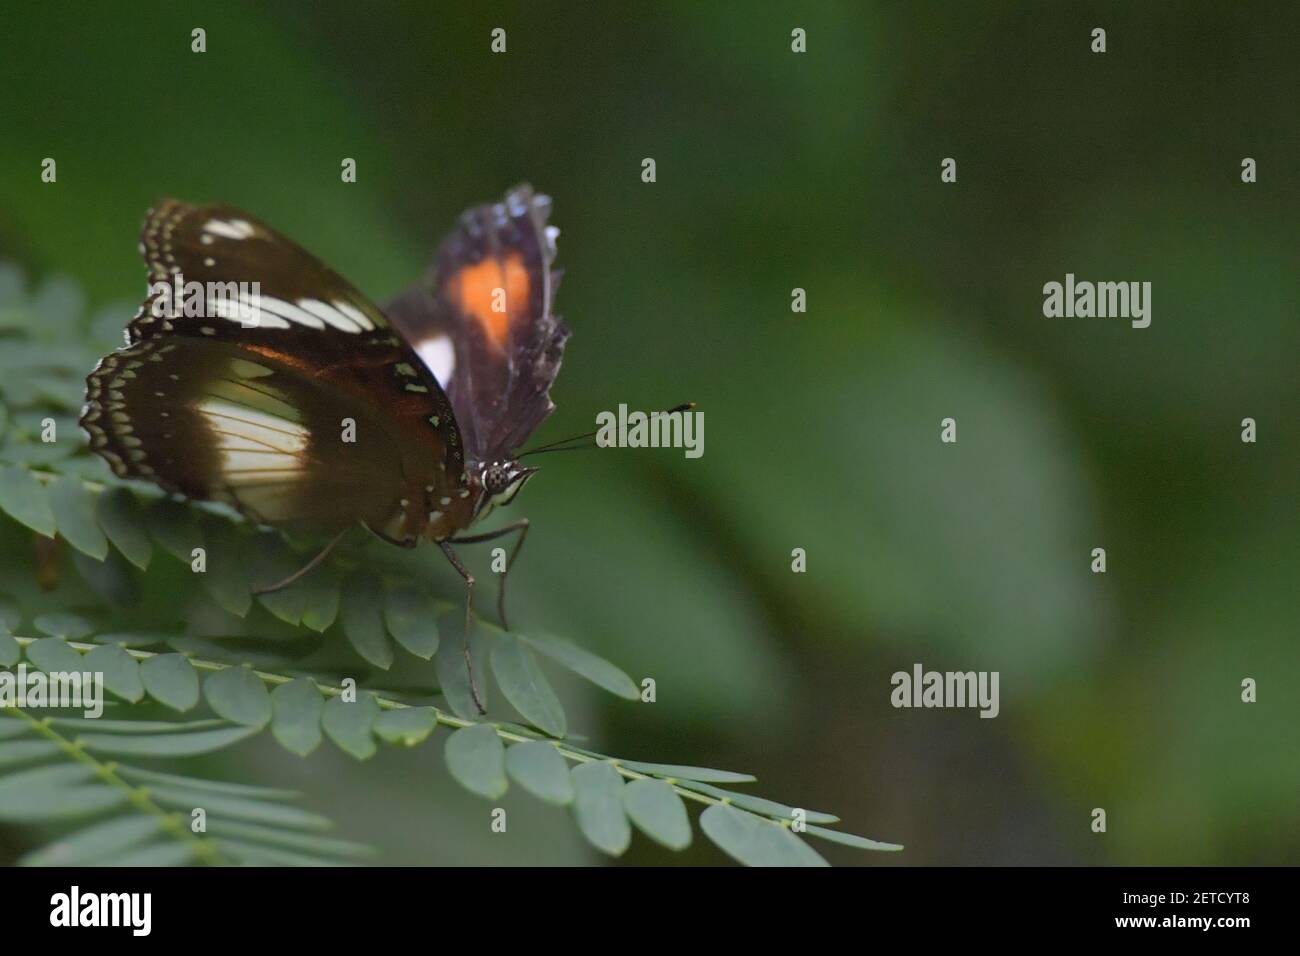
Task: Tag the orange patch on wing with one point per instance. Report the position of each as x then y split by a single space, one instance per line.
493 282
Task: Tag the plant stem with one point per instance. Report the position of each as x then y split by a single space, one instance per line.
443 717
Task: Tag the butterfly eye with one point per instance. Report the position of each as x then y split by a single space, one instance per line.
495 480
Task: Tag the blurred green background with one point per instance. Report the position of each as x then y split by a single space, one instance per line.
820 171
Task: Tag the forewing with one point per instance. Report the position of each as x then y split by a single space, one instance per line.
285 394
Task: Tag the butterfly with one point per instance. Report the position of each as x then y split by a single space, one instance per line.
256 376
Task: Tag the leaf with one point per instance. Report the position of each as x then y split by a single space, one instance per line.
71 626
449 662
174 528
121 671
166 745
48 793
320 599
226 577
171 679
658 812
538 767
759 805
411 617
363 622
598 807
754 841
52 654
297 712
239 808
122 519
849 839
10 652
224 787
585 664
95 843
477 759
238 695
406 725
23 497
276 562
679 772
349 724
74 514
11 727
14 752
524 685
314 842
99 725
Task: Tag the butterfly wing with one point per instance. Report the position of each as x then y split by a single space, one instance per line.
283 392
484 326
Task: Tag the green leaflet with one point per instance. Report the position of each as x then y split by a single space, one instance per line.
165 745
598 807
523 684
170 679
349 724
74 514
658 812
754 841
538 767
585 664
476 758
51 793
296 708
121 671
411 616
406 725
24 499
238 695
98 843
363 621
122 519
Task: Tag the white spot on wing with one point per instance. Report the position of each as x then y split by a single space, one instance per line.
256 448
353 313
330 314
229 229
241 310
287 310
438 357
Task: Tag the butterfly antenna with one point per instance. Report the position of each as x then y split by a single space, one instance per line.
567 444
564 444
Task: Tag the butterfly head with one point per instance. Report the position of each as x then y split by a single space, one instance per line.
498 482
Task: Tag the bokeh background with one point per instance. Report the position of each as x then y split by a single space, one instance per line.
821 171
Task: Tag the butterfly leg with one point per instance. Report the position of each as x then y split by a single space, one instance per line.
469 606
305 569
522 527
